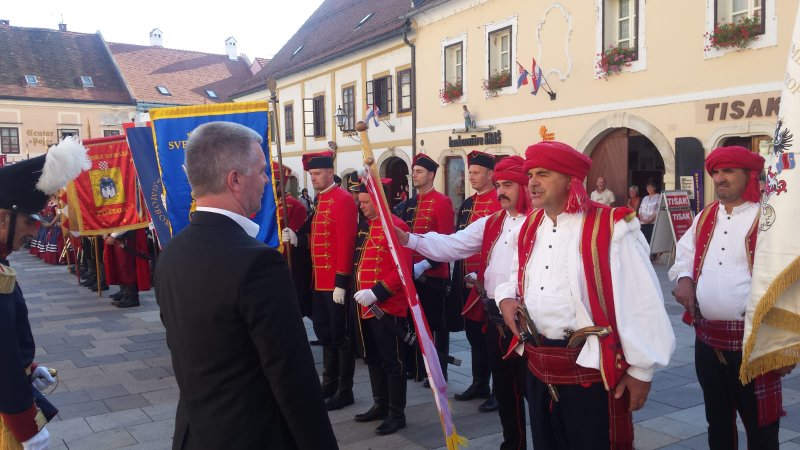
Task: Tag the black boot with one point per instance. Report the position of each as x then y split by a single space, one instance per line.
330 371
103 286
442 344
380 395
478 389
397 407
490 405
117 296
131 299
347 365
88 278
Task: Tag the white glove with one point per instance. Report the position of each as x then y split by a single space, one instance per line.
338 295
288 236
421 267
365 297
469 280
39 441
42 378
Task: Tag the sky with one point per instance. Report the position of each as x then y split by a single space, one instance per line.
259 30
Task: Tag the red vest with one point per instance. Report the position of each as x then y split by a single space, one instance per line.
433 212
333 235
473 310
596 233
376 270
482 205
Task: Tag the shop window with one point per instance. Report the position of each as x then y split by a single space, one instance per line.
9 140
454 180
735 11
379 92
288 122
349 107
621 24
500 53
404 90
453 63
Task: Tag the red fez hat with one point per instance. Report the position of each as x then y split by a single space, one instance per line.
510 169
318 160
425 162
736 157
276 170
561 158
478 158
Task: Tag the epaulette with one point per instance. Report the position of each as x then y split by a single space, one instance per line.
8 278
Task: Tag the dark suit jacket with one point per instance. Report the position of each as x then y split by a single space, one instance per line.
239 348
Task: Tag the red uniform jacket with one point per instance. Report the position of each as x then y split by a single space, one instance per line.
377 270
295 215
433 211
333 235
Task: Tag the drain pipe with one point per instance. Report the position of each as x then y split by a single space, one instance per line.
413 97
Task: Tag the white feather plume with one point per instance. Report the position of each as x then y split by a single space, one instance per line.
63 163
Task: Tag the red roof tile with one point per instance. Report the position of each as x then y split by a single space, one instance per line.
333 30
58 59
186 74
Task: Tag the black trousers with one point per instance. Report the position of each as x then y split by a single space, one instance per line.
509 385
383 347
481 369
724 395
432 292
328 318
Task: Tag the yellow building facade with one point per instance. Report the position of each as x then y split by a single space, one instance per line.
677 98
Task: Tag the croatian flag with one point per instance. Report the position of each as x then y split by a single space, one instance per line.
536 70
523 76
373 112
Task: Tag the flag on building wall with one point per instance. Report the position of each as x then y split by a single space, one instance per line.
772 321
523 76
536 77
107 196
140 141
171 128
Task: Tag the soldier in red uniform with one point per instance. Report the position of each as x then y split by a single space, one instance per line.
462 296
430 210
378 285
333 233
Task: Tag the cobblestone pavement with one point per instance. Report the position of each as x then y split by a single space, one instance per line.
117 388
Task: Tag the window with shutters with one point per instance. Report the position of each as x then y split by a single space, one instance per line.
500 54
404 90
349 107
453 63
314 116
379 92
9 140
288 122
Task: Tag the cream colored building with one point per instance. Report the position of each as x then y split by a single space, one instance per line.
349 59
655 120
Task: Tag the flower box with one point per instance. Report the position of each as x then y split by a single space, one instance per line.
734 35
612 60
451 92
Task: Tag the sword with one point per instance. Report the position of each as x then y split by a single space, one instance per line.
492 312
530 333
408 336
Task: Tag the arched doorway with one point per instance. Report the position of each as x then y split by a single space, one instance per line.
396 169
624 157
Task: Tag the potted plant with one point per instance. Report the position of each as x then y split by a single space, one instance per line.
612 60
496 82
451 92
738 35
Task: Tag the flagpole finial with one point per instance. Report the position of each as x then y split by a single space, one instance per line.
361 126
369 161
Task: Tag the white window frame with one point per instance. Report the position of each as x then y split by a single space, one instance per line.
462 39
512 59
87 81
31 80
641 39
768 39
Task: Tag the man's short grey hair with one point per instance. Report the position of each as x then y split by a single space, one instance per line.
215 149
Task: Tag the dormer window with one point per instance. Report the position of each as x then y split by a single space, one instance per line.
298 50
163 90
364 20
87 81
211 94
31 80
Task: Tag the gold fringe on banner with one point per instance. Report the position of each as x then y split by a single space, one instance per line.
779 358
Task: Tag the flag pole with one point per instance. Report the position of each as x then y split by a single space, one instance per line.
273 102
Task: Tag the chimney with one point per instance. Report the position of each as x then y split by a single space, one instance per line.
230 48
155 38
62 27
5 23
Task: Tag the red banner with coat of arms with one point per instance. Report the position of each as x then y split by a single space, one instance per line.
108 194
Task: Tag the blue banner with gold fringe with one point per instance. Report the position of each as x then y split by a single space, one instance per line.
171 129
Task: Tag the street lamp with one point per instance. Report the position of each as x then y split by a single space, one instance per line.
340 118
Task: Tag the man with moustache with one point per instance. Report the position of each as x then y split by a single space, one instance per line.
581 264
430 210
482 203
244 370
489 239
713 270
332 242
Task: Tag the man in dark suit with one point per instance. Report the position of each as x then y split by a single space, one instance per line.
239 348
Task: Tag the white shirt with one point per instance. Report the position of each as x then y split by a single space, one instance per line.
724 285
249 227
557 298
467 242
606 197
648 208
